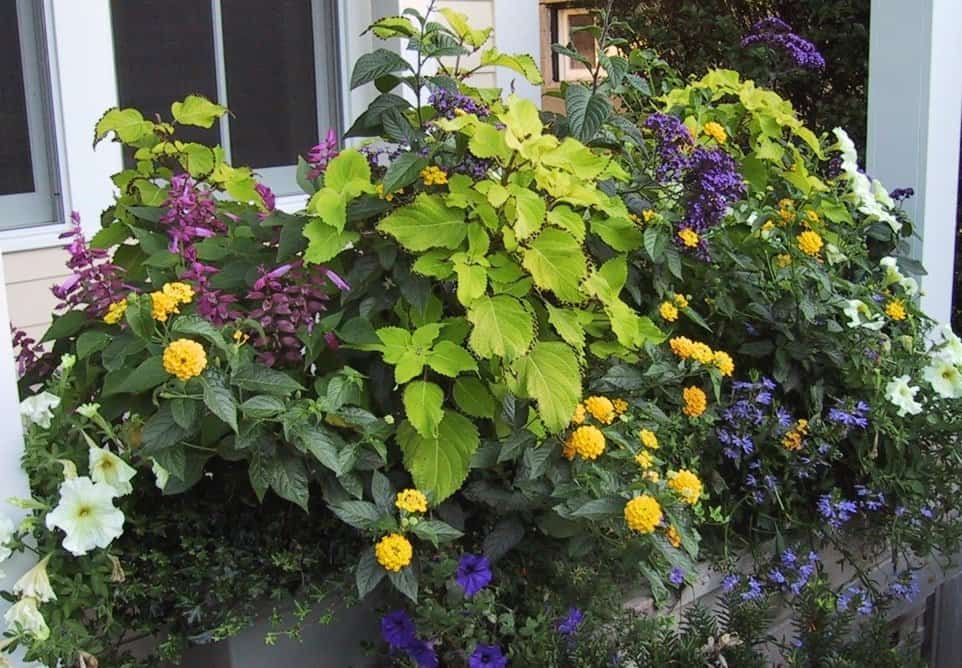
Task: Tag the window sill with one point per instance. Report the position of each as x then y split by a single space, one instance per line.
291 203
32 238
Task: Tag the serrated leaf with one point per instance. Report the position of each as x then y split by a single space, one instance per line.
325 445
368 573
406 582
262 406
161 431
258 378
568 325
423 403
359 514
436 531
550 375
289 480
427 223
128 124
196 110
382 492
473 397
503 538
487 142
521 63
325 242
66 325
376 64
403 171
221 403
502 327
148 375
557 262
440 465
393 26
530 211
450 359
91 342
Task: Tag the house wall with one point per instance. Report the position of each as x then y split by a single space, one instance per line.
30 274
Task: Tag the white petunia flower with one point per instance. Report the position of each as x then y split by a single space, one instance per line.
902 394
944 377
860 315
882 195
951 348
892 273
162 475
26 618
7 529
108 468
35 583
910 286
849 153
86 513
38 409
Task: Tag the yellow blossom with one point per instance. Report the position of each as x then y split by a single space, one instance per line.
695 401
393 552
768 226
681 346
724 362
412 501
681 301
700 352
185 359
651 475
648 439
182 293
601 409
811 217
793 439
434 176
580 414
668 311
810 242
895 309
671 533
783 260
689 237
587 441
379 188
241 337
621 406
115 312
686 484
643 514
648 215
163 305
644 459
716 132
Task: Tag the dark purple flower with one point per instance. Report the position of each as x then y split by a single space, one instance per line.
473 574
322 153
673 140
270 201
397 629
422 653
676 576
570 624
448 103
902 194
190 216
95 283
777 34
31 357
487 656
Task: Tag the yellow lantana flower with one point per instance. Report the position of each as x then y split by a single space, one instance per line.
644 459
185 359
601 409
716 132
681 346
671 533
182 293
394 552
580 414
643 514
689 237
587 441
648 439
668 312
681 301
115 312
621 406
163 305
783 260
895 309
810 242
695 401
648 215
686 484
700 352
724 362
434 176
412 501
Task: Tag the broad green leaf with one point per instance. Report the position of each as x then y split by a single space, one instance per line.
557 262
128 124
459 24
523 64
529 211
325 242
368 573
423 403
434 263
138 315
550 375
488 142
358 514
439 465
396 341
568 324
450 359
472 282
573 156
349 173
221 403
197 159
110 236
91 342
406 582
161 431
619 233
330 206
289 481
436 531
376 64
258 378
410 365
194 325
521 120
148 375
568 219
587 111
262 406
66 325
393 26
473 397
196 110
502 327
150 193
427 223
325 445
403 171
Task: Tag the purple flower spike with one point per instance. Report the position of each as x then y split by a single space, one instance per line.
473 574
487 656
95 283
321 154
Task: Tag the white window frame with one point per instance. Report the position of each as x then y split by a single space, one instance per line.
566 71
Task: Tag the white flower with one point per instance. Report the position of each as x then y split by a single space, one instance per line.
944 377
161 474
88 410
35 583
38 409
951 349
849 153
910 286
834 255
25 617
108 468
7 529
882 195
860 315
900 393
87 515
892 273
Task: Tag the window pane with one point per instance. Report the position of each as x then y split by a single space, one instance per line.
16 160
271 89
164 51
582 41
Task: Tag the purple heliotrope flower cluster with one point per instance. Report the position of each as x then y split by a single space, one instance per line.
322 153
775 33
674 142
902 194
473 574
399 632
448 103
95 283
487 656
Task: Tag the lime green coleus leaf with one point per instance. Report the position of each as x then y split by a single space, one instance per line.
557 262
128 124
439 464
427 223
530 211
325 242
488 142
422 405
569 323
197 110
450 359
550 375
568 219
472 282
459 24
393 26
502 327
521 63
473 397
349 173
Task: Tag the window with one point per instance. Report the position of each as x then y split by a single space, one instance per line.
26 182
583 41
273 64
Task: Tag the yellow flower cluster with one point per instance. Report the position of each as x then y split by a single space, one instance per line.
685 348
786 211
644 459
793 439
695 401
434 176
810 242
648 439
620 405
168 300
580 415
716 132
686 484
185 359
783 260
668 311
689 237
182 293
648 215
671 533
681 301
588 442
895 309
379 188
412 501
602 409
643 514
724 362
115 312
811 218
393 552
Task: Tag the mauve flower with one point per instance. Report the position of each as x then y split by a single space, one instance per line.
322 153
270 201
487 656
31 357
95 283
397 629
473 574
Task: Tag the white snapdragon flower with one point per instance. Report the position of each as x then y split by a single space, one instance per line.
87 515
35 583
108 468
859 314
161 474
38 409
25 617
902 394
944 377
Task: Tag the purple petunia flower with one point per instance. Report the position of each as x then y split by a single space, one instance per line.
397 629
902 194
422 653
473 574
570 624
676 576
777 34
487 656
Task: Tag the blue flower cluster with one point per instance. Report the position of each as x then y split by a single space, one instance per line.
838 511
674 142
777 34
789 574
857 595
448 103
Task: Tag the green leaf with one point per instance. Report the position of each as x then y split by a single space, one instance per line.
197 110
473 397
186 412
550 375
325 445
557 262
523 64
220 402
289 479
530 211
436 531
587 111
330 206
259 476
439 465
174 461
359 514
258 378
91 342
503 327
434 263
128 124
110 236
325 242
423 403
403 171
427 223
393 26
194 325
161 431
459 24
488 142
472 282
349 173
66 325
406 582
566 218
198 160
262 406
450 359
368 573
568 324
147 376
373 65
410 365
